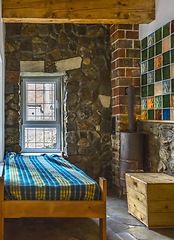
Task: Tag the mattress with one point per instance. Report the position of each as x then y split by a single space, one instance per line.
46 178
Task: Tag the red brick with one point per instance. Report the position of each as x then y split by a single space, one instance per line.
113 47
124 43
124 62
114 92
122 100
124 26
114 101
12 76
136 63
112 29
136 82
113 65
123 82
132 35
132 72
136 43
120 91
117 35
133 53
115 110
136 26
113 83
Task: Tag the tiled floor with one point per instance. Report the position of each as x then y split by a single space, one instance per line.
120 225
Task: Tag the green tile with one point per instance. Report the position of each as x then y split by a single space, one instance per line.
172 40
158 35
166 72
151 90
151 52
144 55
166 101
158 75
166 58
144 91
150 114
172 85
166 30
158 102
158 48
172 56
144 79
144 43
151 64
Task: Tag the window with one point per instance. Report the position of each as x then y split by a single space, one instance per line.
41 114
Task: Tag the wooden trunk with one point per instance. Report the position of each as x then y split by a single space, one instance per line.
150 198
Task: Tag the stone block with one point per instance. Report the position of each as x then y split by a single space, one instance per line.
68 64
32 66
105 100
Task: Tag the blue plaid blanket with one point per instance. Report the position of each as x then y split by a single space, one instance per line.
46 178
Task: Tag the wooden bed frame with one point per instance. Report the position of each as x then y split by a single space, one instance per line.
37 208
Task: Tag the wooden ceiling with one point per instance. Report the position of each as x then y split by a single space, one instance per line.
79 11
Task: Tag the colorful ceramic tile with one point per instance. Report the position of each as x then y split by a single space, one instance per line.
158 102
144 91
150 102
172 100
172 26
158 48
166 101
172 114
158 88
158 114
150 90
144 43
143 67
166 58
144 79
158 61
144 104
144 55
150 114
158 35
151 52
172 55
166 30
166 114
158 75
166 72
150 77
151 64
172 85
144 115
172 40
150 39
166 86
172 70
166 44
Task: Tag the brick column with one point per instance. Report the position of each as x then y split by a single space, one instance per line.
125 71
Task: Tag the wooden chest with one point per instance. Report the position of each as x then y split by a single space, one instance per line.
150 198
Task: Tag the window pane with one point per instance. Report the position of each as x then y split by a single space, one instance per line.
41 138
40 99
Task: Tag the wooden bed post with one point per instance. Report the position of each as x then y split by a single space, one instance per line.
102 223
1 212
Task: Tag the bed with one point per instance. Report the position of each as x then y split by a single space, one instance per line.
49 186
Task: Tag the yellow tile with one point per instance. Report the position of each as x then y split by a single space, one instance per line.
144 115
150 102
172 114
166 44
158 88
158 61
172 71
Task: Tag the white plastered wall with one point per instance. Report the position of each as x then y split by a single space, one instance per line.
2 86
164 13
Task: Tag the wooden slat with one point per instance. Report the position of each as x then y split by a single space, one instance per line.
102 221
139 196
136 184
140 216
77 11
160 206
137 205
18 209
153 178
161 219
160 192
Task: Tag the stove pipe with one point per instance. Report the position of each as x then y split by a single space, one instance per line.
132 126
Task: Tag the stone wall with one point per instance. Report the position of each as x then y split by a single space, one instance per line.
159 146
87 103
125 71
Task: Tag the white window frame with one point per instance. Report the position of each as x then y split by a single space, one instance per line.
42 124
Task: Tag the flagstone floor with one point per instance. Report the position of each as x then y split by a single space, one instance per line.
120 225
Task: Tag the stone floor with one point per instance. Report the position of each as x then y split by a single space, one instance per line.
120 225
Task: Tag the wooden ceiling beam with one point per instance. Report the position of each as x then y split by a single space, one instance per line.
79 11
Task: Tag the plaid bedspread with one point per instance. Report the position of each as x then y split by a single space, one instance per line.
46 178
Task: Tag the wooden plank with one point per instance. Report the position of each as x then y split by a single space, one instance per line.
139 196
77 11
18 209
160 206
161 219
139 206
1 210
136 184
160 192
153 178
139 215
102 221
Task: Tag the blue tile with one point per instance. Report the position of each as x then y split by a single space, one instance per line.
166 87
150 77
144 67
166 114
151 39
144 104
